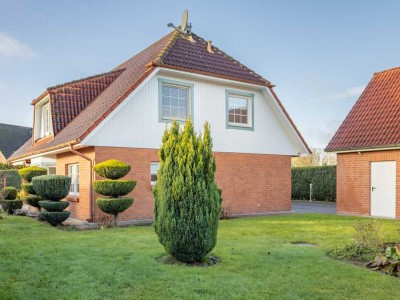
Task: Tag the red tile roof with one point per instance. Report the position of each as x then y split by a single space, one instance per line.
172 51
374 121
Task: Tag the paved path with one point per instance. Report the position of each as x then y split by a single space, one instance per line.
302 206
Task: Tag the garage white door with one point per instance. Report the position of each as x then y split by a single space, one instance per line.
383 189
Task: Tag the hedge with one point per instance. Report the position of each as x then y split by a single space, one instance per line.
322 178
12 178
29 172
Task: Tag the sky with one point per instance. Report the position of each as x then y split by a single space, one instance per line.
319 54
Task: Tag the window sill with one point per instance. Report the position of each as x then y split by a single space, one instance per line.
72 198
240 127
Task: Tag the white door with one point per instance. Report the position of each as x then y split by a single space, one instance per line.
383 189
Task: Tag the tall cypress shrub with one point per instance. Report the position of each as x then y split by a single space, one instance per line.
187 202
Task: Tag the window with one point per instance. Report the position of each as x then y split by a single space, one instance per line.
240 110
175 100
45 120
73 172
51 170
154 166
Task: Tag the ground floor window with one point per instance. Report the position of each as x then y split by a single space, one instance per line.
73 172
154 166
51 170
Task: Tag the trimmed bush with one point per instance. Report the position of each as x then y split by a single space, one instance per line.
53 206
12 178
52 187
33 200
10 206
114 188
55 218
9 193
114 206
187 203
29 172
6 166
28 188
112 169
323 179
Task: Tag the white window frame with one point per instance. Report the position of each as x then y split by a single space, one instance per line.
73 172
250 110
188 87
154 167
45 120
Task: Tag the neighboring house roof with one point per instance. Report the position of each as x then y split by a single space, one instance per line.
173 51
12 137
374 121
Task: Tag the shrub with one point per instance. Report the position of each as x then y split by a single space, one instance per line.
6 166
114 188
187 203
9 193
55 218
33 201
29 172
388 262
10 206
12 178
52 187
323 180
112 169
28 188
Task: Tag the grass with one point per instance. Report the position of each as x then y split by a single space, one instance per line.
258 261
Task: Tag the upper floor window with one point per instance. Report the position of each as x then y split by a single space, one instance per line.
73 172
175 100
240 110
45 120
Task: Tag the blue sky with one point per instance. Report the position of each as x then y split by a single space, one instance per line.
320 54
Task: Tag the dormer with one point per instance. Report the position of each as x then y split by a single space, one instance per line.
43 126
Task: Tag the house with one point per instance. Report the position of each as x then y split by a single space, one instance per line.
11 138
368 150
122 114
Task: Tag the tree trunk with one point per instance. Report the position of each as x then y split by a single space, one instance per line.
116 221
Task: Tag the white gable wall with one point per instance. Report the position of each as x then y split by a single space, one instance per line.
135 123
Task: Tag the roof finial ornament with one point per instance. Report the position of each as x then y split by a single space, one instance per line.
185 27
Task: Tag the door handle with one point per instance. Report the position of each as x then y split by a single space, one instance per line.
373 188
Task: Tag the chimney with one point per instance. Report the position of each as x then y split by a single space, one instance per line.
209 47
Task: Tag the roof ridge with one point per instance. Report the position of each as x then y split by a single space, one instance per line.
84 78
235 60
15 125
387 70
167 46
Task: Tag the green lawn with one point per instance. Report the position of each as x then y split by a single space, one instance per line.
257 262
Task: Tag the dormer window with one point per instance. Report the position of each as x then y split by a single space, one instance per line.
45 120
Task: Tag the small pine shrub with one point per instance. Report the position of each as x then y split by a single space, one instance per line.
53 188
29 172
187 203
28 188
9 193
112 169
114 188
10 206
33 200
12 178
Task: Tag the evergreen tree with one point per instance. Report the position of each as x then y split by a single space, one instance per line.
187 202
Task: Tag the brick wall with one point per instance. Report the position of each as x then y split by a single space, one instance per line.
81 209
251 183
354 180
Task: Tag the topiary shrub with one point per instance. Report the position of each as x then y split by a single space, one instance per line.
8 201
114 188
28 188
113 170
29 172
33 200
187 202
12 178
53 188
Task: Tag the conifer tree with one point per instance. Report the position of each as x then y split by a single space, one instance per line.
187 202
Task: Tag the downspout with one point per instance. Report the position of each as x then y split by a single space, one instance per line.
91 196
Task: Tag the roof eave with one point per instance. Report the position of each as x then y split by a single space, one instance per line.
363 148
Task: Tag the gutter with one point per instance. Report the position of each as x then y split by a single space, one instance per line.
91 195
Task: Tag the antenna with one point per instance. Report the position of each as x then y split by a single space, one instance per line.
185 27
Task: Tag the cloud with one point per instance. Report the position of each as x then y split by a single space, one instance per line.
13 49
347 93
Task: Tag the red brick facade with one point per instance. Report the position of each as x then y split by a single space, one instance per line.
251 183
354 180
